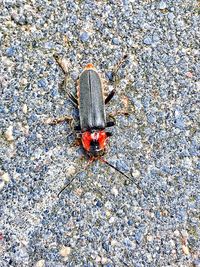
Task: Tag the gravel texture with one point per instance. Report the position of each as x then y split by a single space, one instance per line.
100 219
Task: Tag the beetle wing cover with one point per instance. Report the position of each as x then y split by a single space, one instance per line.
91 102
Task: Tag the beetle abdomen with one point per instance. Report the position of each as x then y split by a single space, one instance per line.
91 101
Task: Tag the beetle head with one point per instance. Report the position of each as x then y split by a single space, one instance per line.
94 142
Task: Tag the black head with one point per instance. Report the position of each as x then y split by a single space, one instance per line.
95 149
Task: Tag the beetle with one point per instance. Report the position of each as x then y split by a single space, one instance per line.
92 114
93 123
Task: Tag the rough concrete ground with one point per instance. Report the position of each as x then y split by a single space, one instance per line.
101 219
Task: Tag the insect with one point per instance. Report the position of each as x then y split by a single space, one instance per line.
93 123
91 104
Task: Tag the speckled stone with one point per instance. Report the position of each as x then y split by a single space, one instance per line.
101 218
84 37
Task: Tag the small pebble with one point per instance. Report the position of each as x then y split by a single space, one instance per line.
130 222
162 5
24 81
84 37
180 123
189 74
25 108
42 83
114 191
5 177
9 133
147 40
150 238
98 259
185 250
111 220
149 257
108 205
10 51
2 183
176 233
121 165
25 130
39 136
171 16
40 263
151 118
70 170
185 234
78 191
65 251
109 75
114 242
115 41
104 260
135 173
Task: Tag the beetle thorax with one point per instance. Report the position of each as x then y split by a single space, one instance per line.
95 136
94 142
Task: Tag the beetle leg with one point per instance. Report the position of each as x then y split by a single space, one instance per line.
117 67
64 67
109 134
68 119
71 96
77 128
110 123
59 120
127 108
113 79
76 142
113 74
119 113
73 99
110 96
61 61
74 129
114 114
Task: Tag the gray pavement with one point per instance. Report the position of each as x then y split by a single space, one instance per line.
100 219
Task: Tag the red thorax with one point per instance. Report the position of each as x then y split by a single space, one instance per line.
98 137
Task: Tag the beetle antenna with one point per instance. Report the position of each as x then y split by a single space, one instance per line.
112 166
66 185
119 64
89 162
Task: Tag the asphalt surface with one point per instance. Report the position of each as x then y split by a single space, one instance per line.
101 219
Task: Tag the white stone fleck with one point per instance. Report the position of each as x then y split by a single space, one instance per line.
2 183
40 263
65 251
112 219
162 5
185 250
25 108
176 233
9 133
135 173
71 170
98 259
25 130
114 191
104 260
5 177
